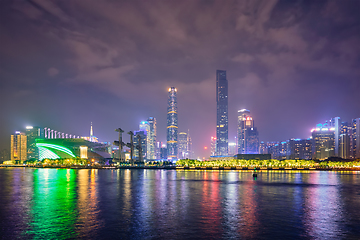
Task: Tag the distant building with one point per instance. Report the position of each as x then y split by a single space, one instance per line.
189 146
263 148
273 149
358 138
221 113
323 141
142 144
248 136
145 127
293 149
344 141
183 145
163 153
352 133
213 146
33 133
158 148
18 147
151 151
305 149
232 149
172 125
4 155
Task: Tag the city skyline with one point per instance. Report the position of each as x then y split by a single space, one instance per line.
292 63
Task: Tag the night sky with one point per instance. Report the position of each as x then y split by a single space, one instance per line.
64 64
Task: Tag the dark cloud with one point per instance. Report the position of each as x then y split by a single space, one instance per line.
65 64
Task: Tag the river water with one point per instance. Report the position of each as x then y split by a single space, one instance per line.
178 204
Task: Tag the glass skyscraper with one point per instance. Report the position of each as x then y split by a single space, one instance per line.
152 139
248 136
172 125
221 113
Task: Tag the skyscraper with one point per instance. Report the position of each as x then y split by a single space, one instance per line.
33 133
183 145
248 136
143 143
323 145
172 125
18 151
189 146
152 139
221 113
213 146
145 127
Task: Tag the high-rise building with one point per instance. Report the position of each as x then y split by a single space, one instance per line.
183 145
143 143
158 148
213 146
344 141
163 152
18 150
172 125
293 149
145 127
33 133
248 136
355 148
221 113
305 149
263 148
232 149
323 141
352 133
189 146
152 139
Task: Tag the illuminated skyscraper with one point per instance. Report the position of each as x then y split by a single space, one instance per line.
323 145
145 127
152 139
248 136
143 137
172 125
33 133
221 113
18 150
355 138
183 145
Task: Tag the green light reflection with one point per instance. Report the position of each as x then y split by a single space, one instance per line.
54 211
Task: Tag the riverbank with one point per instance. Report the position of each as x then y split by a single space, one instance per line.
186 168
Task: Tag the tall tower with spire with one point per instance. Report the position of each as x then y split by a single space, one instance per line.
91 133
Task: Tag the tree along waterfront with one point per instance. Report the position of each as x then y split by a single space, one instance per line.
269 163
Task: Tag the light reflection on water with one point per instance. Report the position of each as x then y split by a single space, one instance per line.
147 204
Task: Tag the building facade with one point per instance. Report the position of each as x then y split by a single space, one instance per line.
140 145
183 145
213 146
221 113
172 125
33 133
323 142
248 136
152 139
18 147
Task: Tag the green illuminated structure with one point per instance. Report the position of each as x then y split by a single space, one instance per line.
53 151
